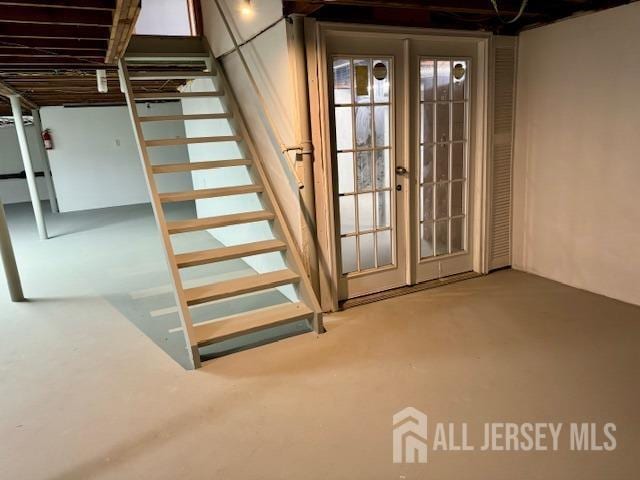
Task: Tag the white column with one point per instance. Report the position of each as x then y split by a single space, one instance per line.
9 259
37 124
28 166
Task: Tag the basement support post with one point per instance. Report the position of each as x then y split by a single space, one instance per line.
309 231
46 166
28 166
9 259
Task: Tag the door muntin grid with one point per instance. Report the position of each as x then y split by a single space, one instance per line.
444 150
362 108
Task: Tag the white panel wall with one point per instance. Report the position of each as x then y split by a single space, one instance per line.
95 162
577 151
268 58
15 190
163 17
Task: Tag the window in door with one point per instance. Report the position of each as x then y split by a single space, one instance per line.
444 144
363 109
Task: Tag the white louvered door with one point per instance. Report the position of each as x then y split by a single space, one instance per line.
504 56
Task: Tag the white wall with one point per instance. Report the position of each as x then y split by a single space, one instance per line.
163 17
15 190
95 162
268 58
577 153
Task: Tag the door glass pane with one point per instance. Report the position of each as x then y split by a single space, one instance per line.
349 254
364 160
383 246
459 79
442 200
365 211
344 128
347 214
457 235
456 198
427 91
381 80
426 237
341 81
427 163
363 127
457 161
427 203
383 179
383 209
457 122
383 133
442 162
444 79
442 122
367 251
364 171
361 80
345 173
442 237
427 131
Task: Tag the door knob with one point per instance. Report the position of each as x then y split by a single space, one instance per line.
400 170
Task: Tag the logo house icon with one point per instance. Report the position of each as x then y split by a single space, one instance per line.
409 436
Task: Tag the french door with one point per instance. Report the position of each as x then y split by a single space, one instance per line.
400 125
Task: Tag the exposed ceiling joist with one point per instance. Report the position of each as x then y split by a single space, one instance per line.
80 4
55 16
124 21
14 31
7 91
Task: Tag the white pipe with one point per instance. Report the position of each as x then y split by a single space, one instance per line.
304 137
28 166
46 166
9 259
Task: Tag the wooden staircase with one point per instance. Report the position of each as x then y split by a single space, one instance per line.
177 61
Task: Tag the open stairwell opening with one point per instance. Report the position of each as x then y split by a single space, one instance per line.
227 211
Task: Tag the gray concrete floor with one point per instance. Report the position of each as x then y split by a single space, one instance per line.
84 393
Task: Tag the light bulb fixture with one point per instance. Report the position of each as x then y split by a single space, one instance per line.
246 8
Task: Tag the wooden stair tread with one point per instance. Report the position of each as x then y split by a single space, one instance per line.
190 166
184 118
242 324
168 142
145 96
169 75
239 286
212 255
209 193
181 226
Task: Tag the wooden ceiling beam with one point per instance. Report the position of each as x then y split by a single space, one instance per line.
14 31
7 91
79 4
54 43
41 52
55 16
507 7
124 21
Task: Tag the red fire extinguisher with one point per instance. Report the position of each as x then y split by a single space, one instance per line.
48 141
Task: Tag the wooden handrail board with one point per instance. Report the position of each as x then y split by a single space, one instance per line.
212 255
170 75
239 286
244 323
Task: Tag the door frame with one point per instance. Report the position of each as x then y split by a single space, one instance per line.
316 34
